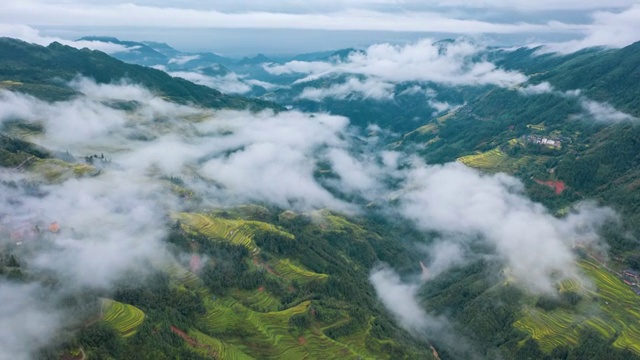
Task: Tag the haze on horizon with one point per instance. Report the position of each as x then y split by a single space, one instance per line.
239 28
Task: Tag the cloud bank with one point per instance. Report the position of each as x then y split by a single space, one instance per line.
463 203
595 110
450 63
112 219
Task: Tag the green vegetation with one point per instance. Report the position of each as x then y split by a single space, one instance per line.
54 170
39 70
295 286
270 332
290 271
492 159
211 347
237 232
123 317
258 300
610 310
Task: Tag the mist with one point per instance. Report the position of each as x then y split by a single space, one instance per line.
112 214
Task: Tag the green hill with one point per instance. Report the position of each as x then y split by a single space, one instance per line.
44 71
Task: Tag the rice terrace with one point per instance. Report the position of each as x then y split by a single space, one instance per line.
123 317
611 309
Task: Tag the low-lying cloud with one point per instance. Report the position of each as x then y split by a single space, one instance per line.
112 220
605 112
450 63
365 89
599 111
229 83
463 203
613 29
400 298
32 35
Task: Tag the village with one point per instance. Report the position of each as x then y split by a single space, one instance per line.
632 278
555 143
27 232
628 276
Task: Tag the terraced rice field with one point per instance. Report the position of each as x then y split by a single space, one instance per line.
238 232
338 223
258 300
361 341
57 170
182 276
487 160
268 335
550 328
292 272
123 318
496 160
209 346
616 314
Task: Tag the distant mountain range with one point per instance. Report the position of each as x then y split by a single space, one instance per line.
554 132
44 71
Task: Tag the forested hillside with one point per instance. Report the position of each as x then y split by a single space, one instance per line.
460 217
45 71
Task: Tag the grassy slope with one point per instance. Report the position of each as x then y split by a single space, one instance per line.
496 160
220 349
268 335
44 71
614 315
248 322
292 272
122 317
237 232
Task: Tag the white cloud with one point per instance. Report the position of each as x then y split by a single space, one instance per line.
440 107
541 5
26 323
598 111
281 151
604 112
130 14
612 24
263 84
445 63
230 83
461 202
608 29
233 157
181 60
399 298
538 89
444 255
367 89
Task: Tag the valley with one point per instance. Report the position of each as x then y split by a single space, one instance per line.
485 210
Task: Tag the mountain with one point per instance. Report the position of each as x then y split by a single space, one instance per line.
163 48
320 55
256 60
459 216
175 274
44 71
343 54
137 52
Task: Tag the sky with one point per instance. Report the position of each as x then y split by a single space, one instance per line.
243 27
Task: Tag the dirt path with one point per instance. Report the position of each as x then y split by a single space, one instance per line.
435 353
193 342
24 162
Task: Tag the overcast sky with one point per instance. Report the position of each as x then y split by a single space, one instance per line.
230 26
